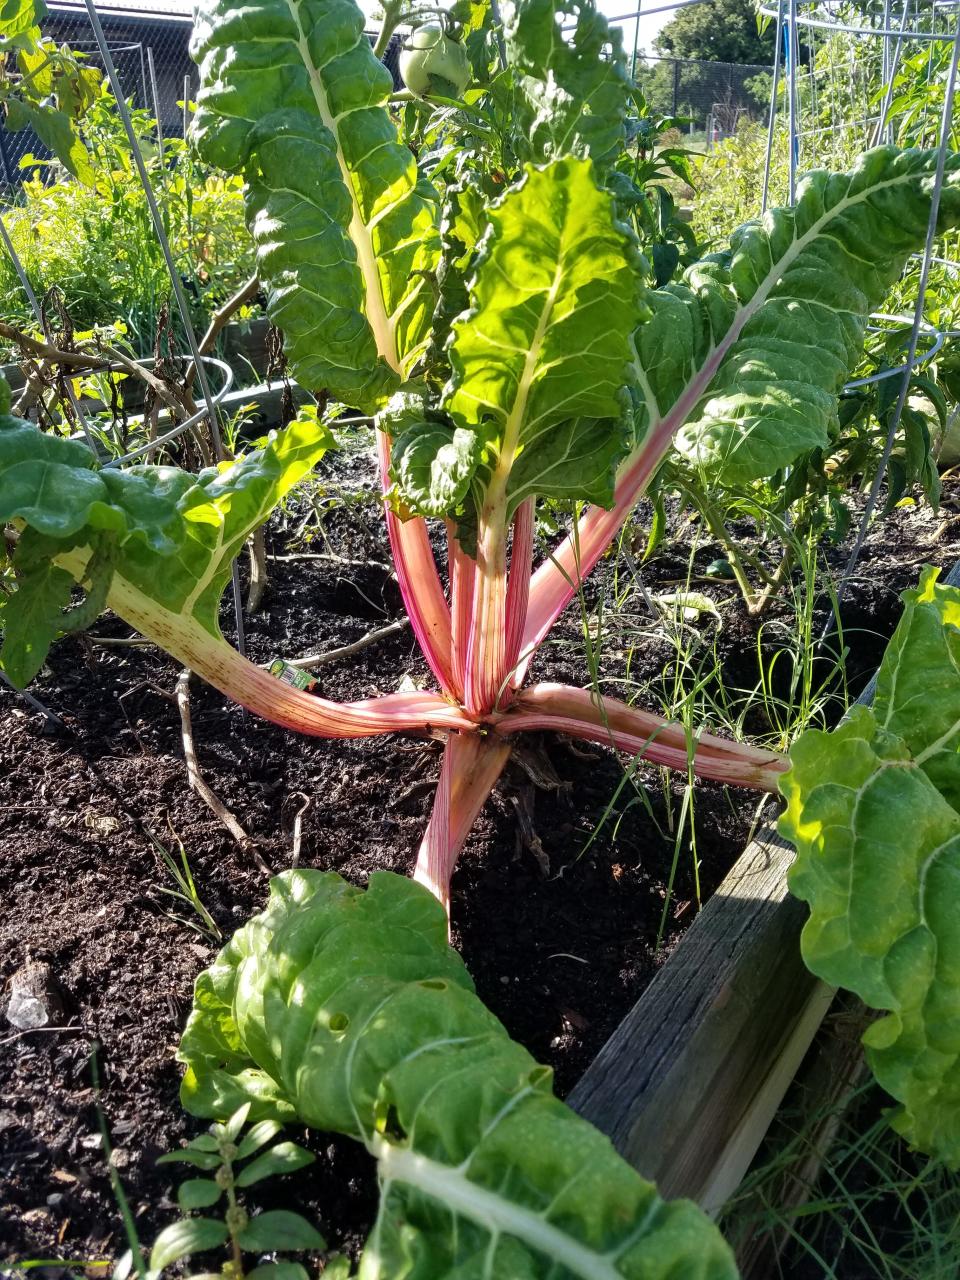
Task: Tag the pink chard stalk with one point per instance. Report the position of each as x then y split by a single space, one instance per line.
562 376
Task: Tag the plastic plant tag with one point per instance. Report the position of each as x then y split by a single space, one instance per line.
292 675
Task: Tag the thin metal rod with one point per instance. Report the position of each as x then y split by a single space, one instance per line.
186 105
885 76
143 76
33 702
890 75
181 427
636 41
792 47
38 313
773 109
842 28
156 99
920 358
175 280
875 487
663 8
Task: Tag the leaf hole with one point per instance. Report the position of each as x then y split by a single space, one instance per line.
339 1022
434 984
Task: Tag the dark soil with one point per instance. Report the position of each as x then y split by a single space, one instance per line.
559 948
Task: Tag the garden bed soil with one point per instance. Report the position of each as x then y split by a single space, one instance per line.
558 926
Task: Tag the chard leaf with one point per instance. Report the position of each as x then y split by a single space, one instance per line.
434 465
293 98
878 862
751 350
541 359
366 1021
573 88
918 684
170 535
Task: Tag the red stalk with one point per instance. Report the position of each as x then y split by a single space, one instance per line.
558 578
462 572
419 581
583 714
220 665
320 718
518 586
486 645
471 765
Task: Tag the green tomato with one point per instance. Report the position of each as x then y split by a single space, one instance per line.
433 63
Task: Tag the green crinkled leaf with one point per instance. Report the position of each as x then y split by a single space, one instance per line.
783 315
918 684
431 461
434 465
170 534
292 97
573 87
878 862
352 1003
541 359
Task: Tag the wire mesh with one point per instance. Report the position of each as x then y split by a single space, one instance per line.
715 96
132 34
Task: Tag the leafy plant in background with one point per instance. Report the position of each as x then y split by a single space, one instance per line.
652 163
219 1154
95 241
346 1010
816 492
874 811
45 86
565 377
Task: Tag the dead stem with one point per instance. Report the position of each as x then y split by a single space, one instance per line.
197 782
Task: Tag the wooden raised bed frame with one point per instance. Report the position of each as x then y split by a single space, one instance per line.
690 1081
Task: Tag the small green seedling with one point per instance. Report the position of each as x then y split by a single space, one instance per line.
218 1153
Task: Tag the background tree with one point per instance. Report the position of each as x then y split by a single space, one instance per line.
717 31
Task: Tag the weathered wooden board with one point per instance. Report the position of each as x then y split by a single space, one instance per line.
688 1084
692 1077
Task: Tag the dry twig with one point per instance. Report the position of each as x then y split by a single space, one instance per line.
197 782
313 660
246 293
298 826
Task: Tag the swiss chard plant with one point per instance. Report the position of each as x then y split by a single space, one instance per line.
347 1011
874 811
510 351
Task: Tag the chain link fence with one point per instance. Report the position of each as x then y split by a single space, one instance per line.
136 35
715 96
